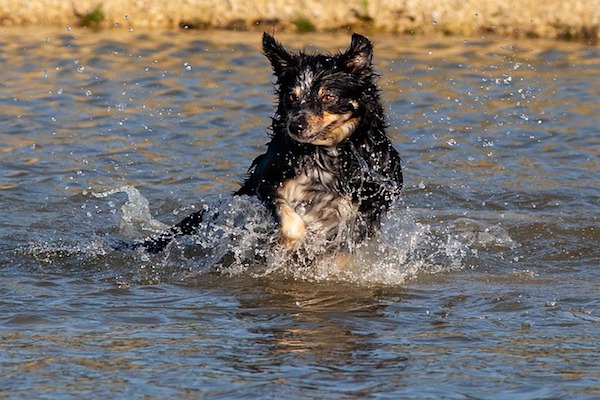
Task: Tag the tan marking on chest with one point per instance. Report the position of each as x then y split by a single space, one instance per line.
306 205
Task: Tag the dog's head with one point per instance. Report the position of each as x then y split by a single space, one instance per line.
321 97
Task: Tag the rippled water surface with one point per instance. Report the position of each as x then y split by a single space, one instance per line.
484 282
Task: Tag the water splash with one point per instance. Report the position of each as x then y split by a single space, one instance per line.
238 237
136 218
480 235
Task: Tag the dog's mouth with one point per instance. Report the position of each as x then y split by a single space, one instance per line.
327 129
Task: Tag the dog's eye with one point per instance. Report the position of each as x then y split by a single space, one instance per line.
328 98
293 97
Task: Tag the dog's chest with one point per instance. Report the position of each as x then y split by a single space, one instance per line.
314 195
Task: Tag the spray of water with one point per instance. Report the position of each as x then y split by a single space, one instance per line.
136 216
238 237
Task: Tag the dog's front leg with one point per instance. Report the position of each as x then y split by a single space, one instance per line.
292 226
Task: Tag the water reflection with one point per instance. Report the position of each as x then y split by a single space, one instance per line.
315 325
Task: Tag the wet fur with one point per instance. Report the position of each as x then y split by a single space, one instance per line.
330 170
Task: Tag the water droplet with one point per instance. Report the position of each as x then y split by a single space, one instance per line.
552 303
80 69
88 93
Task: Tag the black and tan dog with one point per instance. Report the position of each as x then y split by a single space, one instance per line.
329 171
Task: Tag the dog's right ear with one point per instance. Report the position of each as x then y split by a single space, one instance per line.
280 58
359 55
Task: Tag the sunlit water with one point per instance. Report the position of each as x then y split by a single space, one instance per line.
483 283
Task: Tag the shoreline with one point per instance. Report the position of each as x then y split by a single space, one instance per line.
551 19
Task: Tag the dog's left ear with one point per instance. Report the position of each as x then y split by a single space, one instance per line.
359 55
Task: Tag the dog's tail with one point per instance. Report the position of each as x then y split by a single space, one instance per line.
158 243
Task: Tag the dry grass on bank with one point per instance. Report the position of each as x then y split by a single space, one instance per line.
566 19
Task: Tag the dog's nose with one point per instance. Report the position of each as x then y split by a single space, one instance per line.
296 125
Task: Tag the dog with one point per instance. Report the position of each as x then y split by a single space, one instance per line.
330 170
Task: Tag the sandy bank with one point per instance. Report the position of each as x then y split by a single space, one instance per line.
568 19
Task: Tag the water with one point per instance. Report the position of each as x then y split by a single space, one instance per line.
483 284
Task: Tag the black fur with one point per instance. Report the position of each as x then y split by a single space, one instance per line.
329 161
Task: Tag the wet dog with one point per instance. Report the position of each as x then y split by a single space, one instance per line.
330 171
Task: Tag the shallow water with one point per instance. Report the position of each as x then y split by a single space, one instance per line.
483 284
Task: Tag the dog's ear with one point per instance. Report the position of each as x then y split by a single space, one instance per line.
359 55
280 58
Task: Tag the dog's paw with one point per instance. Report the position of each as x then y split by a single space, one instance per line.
292 226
